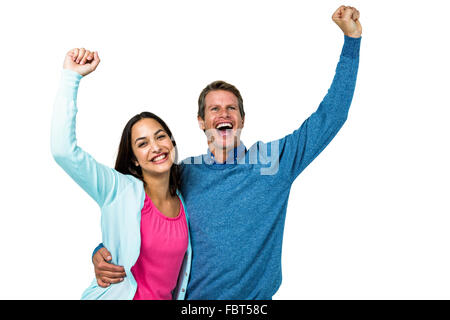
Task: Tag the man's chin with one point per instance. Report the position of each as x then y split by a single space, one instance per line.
224 148
223 143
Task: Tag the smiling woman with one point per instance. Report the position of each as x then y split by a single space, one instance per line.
144 224
144 138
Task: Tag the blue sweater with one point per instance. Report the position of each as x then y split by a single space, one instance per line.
237 210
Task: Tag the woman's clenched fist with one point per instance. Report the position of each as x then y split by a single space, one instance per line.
81 61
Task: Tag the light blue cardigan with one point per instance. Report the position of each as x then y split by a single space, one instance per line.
120 197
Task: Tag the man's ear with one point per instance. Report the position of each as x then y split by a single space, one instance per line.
201 123
243 120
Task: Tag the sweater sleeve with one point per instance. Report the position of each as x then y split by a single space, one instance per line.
299 149
99 181
97 248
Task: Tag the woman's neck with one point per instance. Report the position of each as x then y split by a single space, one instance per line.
157 187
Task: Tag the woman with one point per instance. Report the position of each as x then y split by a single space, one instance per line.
143 219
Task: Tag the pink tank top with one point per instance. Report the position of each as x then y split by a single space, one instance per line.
164 242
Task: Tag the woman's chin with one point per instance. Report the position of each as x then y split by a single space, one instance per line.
159 168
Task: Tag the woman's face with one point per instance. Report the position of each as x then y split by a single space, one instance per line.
152 147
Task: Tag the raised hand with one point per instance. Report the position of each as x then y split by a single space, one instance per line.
347 18
81 60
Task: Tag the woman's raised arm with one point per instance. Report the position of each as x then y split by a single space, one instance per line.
99 181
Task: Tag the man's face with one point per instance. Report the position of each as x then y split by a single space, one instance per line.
223 122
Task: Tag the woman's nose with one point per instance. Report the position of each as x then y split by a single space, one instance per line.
156 148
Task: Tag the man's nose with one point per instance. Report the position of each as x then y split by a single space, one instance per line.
224 112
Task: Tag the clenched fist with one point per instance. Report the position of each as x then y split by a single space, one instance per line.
347 18
81 60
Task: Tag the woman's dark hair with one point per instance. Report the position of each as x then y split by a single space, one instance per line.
125 162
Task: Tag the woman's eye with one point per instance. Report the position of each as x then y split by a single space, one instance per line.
142 144
161 137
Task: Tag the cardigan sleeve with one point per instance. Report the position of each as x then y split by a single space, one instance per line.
99 181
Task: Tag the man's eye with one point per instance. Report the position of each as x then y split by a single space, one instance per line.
214 109
232 107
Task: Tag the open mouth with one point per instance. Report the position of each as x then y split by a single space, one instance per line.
224 127
160 158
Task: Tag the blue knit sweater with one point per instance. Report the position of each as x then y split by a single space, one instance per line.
237 210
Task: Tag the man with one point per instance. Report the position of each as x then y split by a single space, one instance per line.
237 197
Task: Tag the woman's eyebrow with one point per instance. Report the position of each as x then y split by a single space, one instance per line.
142 138
158 131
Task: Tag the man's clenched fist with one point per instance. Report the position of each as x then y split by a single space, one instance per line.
81 60
347 18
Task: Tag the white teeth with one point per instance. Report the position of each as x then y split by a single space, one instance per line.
159 158
224 124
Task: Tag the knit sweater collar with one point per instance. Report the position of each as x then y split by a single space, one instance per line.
233 156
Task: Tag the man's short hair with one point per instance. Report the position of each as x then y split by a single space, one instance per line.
219 85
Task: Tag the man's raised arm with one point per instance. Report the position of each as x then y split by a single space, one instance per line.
298 149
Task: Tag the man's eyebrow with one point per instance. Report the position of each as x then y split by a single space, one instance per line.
219 105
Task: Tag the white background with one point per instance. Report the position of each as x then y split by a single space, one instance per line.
368 219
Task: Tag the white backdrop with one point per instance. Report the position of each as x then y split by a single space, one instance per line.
368 219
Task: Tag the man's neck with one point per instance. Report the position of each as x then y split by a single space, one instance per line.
221 155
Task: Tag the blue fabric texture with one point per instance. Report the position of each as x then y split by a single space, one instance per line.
237 209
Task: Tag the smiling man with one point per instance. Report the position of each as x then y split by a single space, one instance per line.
221 116
237 197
